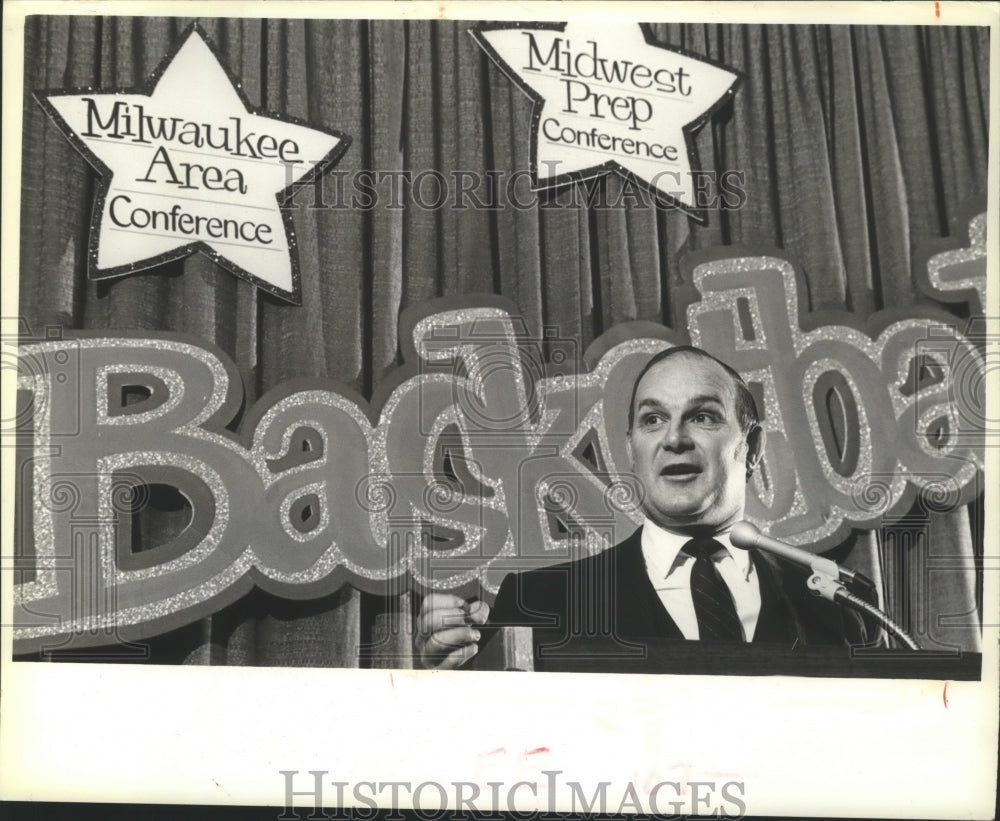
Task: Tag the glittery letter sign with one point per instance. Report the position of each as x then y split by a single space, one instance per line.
190 166
609 98
888 407
488 450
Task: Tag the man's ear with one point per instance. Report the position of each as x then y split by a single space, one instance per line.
628 449
755 448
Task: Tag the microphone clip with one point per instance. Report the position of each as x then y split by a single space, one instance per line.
822 584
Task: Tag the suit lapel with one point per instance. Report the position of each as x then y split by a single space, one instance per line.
779 620
639 611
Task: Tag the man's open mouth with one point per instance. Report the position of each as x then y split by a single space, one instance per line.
680 470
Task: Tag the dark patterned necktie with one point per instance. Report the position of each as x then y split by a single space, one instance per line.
713 603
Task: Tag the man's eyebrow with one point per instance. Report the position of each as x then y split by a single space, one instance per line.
706 398
701 399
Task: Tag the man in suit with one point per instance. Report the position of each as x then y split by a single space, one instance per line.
694 439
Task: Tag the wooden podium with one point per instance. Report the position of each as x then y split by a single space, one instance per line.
511 649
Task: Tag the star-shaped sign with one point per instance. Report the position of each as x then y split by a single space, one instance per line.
609 98
190 166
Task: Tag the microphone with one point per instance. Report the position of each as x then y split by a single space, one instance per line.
748 537
828 579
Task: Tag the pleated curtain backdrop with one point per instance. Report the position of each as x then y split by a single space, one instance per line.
858 144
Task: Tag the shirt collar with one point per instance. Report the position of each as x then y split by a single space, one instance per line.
661 548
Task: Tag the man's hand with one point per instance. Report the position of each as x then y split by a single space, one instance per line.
447 633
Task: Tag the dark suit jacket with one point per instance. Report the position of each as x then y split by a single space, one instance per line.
609 597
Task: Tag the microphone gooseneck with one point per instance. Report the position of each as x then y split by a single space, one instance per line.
828 577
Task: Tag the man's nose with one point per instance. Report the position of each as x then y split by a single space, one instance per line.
675 436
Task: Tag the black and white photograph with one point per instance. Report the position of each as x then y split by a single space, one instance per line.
359 358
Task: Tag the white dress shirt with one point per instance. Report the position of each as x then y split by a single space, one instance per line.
669 569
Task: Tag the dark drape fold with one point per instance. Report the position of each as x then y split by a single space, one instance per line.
857 144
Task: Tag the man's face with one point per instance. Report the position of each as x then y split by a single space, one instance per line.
686 445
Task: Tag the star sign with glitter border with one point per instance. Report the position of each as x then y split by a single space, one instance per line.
189 165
